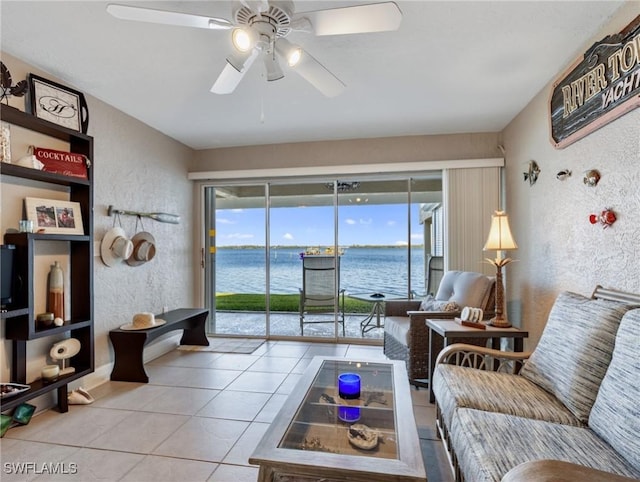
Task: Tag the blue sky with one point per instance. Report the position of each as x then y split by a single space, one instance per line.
313 226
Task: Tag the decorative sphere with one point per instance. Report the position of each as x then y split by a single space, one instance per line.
58 321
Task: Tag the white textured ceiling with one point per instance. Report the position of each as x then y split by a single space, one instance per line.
452 67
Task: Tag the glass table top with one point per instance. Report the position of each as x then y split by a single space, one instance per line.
337 417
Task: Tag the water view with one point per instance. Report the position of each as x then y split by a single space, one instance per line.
362 270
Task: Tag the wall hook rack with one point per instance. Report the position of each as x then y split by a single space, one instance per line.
160 217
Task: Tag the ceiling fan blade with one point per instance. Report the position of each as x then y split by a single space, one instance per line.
230 77
376 17
139 14
257 6
318 75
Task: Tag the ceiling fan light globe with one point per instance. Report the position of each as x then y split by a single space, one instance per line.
294 57
241 39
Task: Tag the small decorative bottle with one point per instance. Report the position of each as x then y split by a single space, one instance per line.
55 302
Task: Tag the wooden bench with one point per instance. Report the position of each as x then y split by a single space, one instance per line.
128 345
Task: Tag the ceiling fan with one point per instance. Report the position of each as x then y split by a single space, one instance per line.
260 28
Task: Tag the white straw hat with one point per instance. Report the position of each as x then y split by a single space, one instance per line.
115 247
143 321
144 249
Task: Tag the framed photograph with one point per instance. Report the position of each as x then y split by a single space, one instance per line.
54 217
58 104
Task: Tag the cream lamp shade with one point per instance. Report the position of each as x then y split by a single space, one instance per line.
500 237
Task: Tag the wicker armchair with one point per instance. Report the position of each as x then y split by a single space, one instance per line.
406 336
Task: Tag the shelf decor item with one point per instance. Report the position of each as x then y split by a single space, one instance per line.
5 143
50 372
55 299
58 104
10 389
6 89
52 216
64 350
61 162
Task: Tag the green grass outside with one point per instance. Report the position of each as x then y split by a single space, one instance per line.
256 302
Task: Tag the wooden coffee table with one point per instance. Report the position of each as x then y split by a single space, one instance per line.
309 441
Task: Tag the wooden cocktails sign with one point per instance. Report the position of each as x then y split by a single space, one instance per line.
598 88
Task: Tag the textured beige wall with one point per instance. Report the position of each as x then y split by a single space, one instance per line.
349 152
558 248
136 168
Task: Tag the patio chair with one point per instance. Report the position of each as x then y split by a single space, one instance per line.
321 297
434 274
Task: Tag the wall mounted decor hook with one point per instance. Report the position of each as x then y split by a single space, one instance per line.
160 217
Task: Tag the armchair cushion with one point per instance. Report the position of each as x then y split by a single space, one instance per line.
615 415
466 288
575 350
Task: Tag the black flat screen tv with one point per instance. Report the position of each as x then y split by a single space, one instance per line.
8 275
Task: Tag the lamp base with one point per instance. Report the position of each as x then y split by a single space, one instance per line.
499 323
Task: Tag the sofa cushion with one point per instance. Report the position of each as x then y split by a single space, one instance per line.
461 387
574 350
487 445
615 415
466 288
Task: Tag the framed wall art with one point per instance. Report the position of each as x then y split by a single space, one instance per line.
58 104
51 216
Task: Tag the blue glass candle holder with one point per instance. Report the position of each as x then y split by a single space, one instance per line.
349 386
349 414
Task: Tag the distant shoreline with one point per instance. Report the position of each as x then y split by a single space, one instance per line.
355 246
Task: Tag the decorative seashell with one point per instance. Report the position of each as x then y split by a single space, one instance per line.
562 175
591 178
363 437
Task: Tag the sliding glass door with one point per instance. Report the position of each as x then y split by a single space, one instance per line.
236 260
317 258
304 302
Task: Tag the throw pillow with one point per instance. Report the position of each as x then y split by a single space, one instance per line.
615 415
575 349
430 304
427 303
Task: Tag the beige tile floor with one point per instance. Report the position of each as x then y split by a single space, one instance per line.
198 419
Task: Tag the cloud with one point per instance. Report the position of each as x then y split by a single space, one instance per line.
401 243
366 221
391 222
417 236
350 221
288 236
224 221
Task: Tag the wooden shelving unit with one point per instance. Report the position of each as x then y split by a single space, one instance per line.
20 320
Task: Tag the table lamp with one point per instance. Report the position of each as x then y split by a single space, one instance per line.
500 239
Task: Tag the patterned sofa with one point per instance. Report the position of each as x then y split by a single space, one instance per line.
406 336
570 407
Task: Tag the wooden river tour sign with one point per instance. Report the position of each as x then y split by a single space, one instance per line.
598 88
